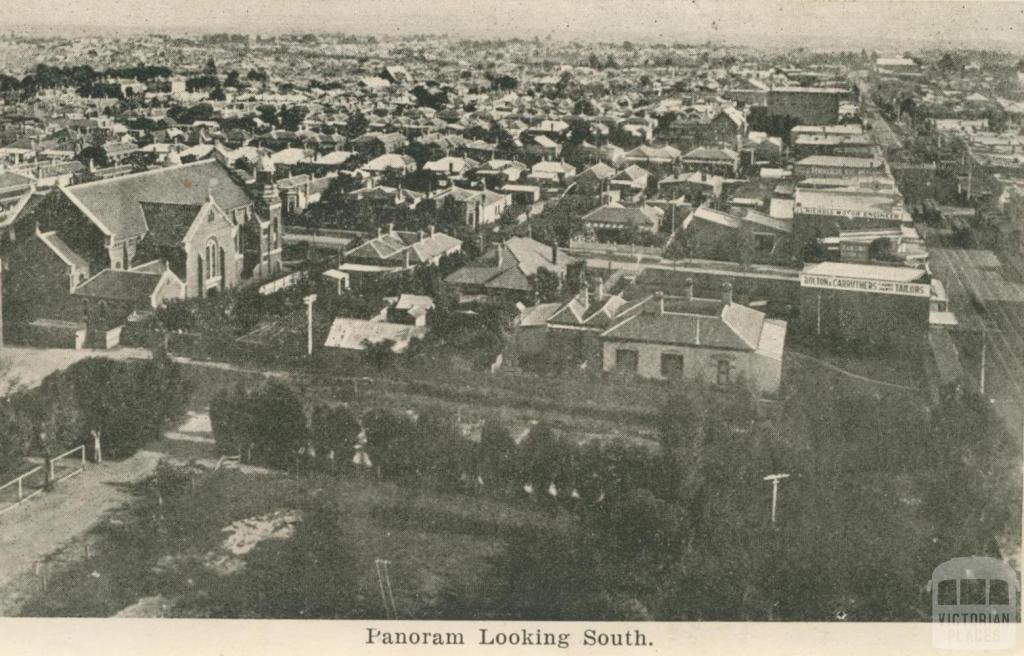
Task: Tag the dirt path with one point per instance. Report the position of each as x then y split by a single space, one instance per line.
27 367
49 524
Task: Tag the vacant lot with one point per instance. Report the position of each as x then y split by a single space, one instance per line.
170 554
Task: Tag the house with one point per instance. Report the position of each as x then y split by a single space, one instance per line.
631 181
355 334
653 157
498 172
389 164
552 173
374 144
608 153
715 341
595 179
571 329
713 161
410 309
543 147
717 235
726 127
479 207
696 187
451 167
404 249
616 217
506 268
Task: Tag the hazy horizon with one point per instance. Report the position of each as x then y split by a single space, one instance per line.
841 25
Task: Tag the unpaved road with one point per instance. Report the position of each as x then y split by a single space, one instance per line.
51 525
51 522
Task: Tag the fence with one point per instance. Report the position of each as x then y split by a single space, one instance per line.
627 251
21 489
66 465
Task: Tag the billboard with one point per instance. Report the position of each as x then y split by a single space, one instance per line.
867 285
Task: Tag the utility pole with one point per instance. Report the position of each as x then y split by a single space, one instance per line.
380 583
309 300
1 305
384 582
981 377
775 479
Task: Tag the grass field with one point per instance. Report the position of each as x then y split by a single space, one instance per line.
441 548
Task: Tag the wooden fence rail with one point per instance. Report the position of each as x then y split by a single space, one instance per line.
19 482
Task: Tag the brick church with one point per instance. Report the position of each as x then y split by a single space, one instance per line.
113 247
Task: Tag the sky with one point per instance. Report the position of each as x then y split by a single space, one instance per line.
842 24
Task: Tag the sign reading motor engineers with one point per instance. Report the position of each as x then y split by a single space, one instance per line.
864 285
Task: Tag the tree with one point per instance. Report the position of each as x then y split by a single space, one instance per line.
257 75
441 450
211 67
231 422
292 117
334 432
495 452
545 285
680 421
388 436
379 353
267 114
356 125
279 424
95 155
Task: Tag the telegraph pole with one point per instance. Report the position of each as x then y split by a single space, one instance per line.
775 479
1 305
981 378
309 300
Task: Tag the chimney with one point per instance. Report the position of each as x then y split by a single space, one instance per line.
420 236
92 165
554 252
431 230
391 228
600 289
726 293
379 232
499 248
688 289
585 296
660 296
407 258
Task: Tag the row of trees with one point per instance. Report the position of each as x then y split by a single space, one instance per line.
126 403
682 531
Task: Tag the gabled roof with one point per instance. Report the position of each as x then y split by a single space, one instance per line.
637 216
62 250
115 204
118 285
718 154
632 172
702 323
520 258
168 222
354 333
599 171
653 153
